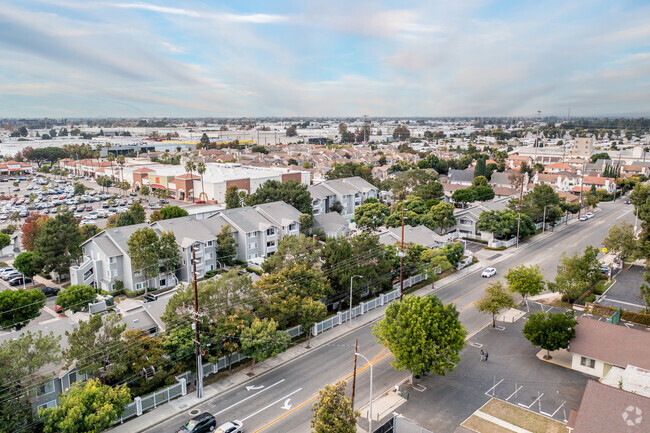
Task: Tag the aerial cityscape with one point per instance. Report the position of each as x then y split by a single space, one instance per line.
288 217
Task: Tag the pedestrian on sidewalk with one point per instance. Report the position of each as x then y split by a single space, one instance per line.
482 355
486 355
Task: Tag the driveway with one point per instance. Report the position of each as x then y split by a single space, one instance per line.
625 292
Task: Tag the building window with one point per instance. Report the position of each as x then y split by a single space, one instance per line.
48 405
270 232
270 244
46 388
208 256
587 362
162 282
73 377
252 245
252 234
112 260
292 226
209 243
139 286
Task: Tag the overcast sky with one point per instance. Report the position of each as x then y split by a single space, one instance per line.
89 58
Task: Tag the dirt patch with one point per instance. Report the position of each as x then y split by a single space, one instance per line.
522 418
483 426
555 301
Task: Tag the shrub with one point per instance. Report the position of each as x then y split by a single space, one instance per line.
210 274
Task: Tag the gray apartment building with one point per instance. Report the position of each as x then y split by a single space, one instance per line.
350 192
256 229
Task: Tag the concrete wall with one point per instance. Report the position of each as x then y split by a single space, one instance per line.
597 371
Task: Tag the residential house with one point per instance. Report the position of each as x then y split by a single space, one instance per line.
467 219
333 224
599 347
606 183
460 177
350 192
558 166
554 180
420 235
515 161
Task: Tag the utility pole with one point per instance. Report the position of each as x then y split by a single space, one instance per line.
618 166
401 260
354 373
582 176
197 341
521 197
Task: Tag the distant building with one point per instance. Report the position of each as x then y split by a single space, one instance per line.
350 192
583 146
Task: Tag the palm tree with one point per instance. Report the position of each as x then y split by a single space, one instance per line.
111 158
190 166
200 169
121 160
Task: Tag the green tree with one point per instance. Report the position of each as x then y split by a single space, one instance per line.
79 188
201 169
145 190
535 201
423 334
291 131
463 196
137 212
301 249
480 170
144 250
260 149
21 368
233 199
88 407
576 273
89 230
263 340
76 297
401 132
371 215
479 180
168 255
350 169
621 240
440 216
503 224
226 249
333 411
483 192
550 331
58 243
92 344
229 327
5 240
169 212
24 263
311 312
495 299
525 280
205 140
291 192
124 219
138 350
18 307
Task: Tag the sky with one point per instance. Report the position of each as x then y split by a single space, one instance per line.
237 58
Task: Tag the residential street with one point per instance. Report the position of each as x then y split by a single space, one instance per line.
281 400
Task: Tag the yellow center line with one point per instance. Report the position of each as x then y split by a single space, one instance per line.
373 361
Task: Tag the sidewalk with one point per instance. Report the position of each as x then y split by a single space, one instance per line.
182 404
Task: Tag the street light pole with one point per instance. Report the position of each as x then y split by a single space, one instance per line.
370 407
544 223
199 361
401 260
351 278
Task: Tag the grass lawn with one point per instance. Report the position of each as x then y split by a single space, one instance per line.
484 426
522 418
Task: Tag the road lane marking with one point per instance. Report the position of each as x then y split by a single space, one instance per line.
253 387
621 216
272 404
373 361
247 398
286 405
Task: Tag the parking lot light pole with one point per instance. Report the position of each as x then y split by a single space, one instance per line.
370 407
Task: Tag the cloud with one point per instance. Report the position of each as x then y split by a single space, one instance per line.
228 17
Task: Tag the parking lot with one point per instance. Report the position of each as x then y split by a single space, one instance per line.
513 373
49 195
625 293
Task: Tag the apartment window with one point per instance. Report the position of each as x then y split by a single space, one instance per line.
113 272
162 283
252 256
252 234
112 260
46 388
587 362
252 245
48 405
208 256
139 286
270 232
209 243
73 377
292 226
270 244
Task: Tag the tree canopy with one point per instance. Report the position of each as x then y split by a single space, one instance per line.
350 169
525 280
495 299
169 212
550 331
333 411
576 273
18 307
291 192
423 334
76 297
262 340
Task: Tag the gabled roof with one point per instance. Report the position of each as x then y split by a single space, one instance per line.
605 409
279 212
330 222
418 235
597 180
613 344
460 175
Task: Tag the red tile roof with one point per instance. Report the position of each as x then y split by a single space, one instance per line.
597 180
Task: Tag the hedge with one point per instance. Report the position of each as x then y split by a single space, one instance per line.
629 316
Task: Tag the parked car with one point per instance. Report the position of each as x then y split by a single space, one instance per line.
206 422
604 269
488 272
628 201
589 215
50 291
583 218
58 309
231 427
11 275
19 280
6 271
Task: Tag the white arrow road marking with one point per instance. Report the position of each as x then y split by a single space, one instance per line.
247 398
253 387
272 404
287 406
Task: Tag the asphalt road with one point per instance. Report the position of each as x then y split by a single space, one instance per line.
282 399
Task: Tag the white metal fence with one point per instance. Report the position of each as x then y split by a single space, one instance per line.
142 404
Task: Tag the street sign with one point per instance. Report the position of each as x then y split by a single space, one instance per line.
604 250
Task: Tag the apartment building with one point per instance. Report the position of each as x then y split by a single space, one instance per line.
350 192
257 231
